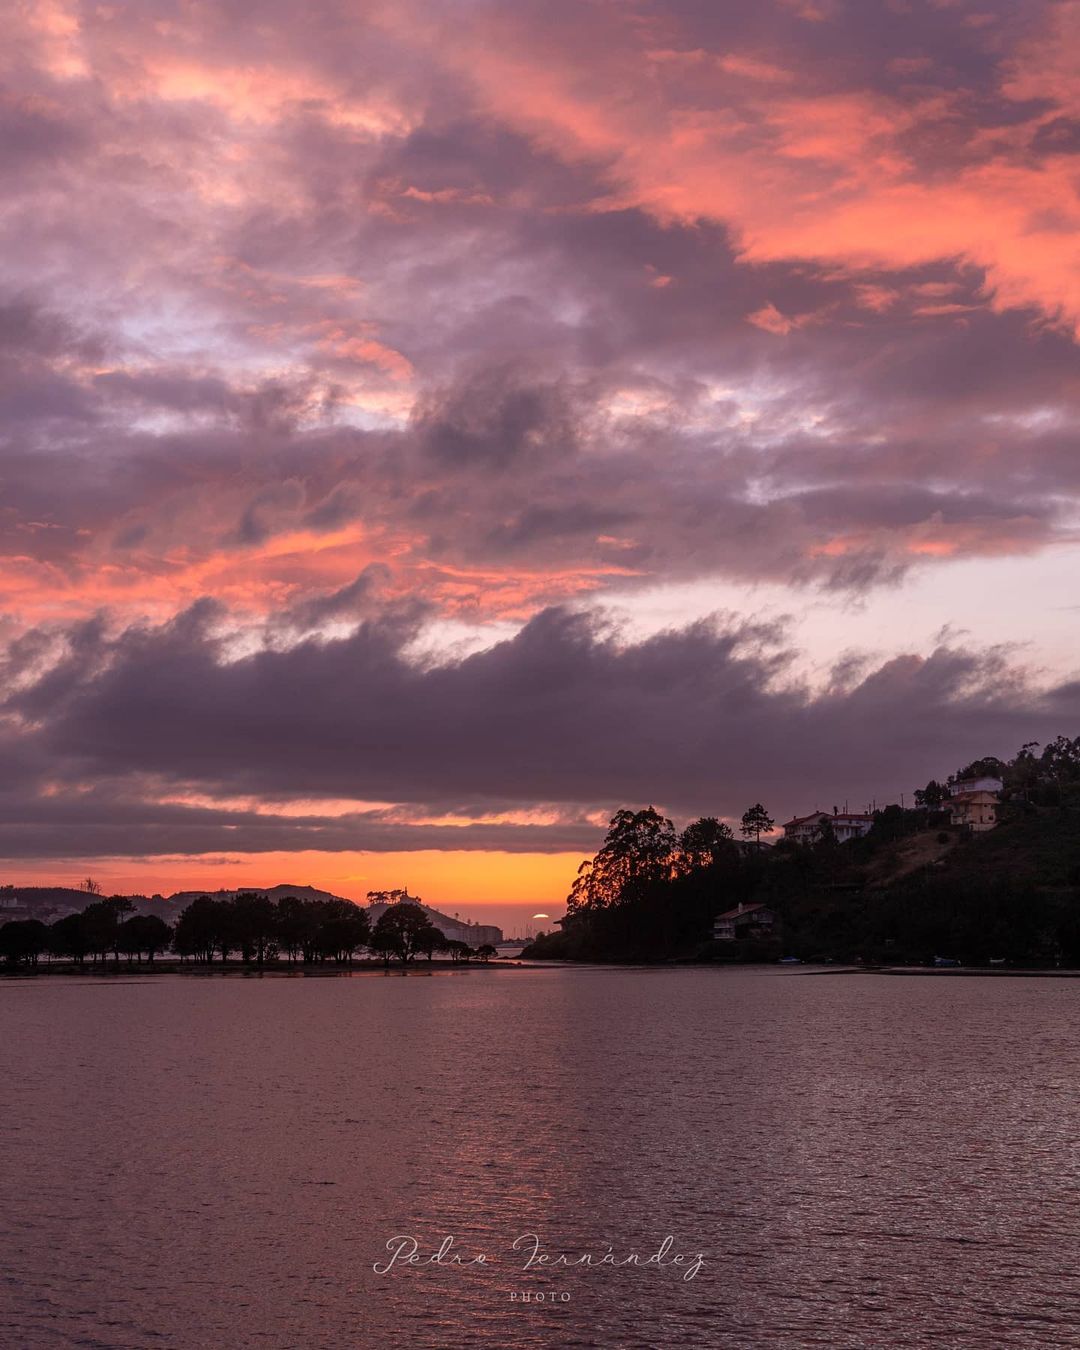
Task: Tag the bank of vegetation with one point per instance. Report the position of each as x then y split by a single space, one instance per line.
248 928
913 889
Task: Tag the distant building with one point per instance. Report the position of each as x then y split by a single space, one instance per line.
13 909
744 921
975 810
993 785
845 825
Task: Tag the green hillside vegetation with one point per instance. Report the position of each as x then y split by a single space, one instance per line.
914 888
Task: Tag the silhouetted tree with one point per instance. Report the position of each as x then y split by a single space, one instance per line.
431 941
297 927
638 852
394 897
67 937
932 796
145 933
22 941
756 821
201 929
252 919
403 930
343 928
101 924
987 767
704 842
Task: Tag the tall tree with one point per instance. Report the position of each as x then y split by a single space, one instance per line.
254 923
297 927
756 821
101 921
639 851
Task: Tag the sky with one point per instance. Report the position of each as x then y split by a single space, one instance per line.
427 427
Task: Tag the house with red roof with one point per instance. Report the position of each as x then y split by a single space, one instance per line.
845 825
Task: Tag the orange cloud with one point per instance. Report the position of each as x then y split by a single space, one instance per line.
828 176
492 887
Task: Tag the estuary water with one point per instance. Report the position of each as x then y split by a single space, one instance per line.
839 1160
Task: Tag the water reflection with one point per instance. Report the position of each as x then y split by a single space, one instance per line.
862 1161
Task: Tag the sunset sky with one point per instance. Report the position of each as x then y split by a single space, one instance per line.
430 426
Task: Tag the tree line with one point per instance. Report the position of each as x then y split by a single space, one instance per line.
651 890
654 892
249 926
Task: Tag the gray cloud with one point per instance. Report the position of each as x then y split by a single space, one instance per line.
700 719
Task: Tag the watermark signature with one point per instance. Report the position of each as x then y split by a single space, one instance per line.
528 1252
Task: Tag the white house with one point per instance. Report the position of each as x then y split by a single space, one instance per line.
976 785
845 825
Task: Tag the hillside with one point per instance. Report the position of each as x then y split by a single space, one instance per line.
911 890
41 902
181 899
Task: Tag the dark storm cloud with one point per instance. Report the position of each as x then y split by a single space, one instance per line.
119 825
699 719
496 418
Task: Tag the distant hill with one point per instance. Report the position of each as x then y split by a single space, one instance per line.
40 902
457 929
53 902
913 889
181 899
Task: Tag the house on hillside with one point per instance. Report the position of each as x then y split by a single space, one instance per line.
13 909
974 809
845 825
745 921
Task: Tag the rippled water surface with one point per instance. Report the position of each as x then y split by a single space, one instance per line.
859 1160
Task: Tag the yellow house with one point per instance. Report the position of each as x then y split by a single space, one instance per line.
977 810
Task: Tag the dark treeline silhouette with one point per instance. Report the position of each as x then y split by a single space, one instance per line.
913 888
104 928
248 926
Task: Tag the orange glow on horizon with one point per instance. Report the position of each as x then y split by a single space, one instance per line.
479 885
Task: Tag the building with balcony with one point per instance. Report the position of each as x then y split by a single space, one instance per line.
745 921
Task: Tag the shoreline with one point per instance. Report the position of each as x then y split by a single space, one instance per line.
238 970
233 969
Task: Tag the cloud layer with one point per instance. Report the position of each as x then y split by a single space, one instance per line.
321 334
154 741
